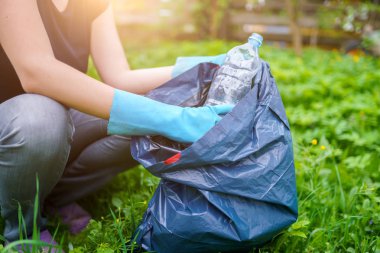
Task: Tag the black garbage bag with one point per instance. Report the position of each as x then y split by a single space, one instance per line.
230 191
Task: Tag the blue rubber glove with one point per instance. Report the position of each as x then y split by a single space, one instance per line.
185 63
132 114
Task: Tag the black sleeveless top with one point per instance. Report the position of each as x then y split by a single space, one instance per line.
69 33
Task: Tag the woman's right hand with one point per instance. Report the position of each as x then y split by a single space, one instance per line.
137 115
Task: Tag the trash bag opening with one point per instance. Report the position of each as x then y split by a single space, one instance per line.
262 93
196 97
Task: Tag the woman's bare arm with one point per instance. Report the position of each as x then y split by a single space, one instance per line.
111 63
24 39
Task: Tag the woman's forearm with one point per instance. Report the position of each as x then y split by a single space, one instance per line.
142 80
71 87
110 61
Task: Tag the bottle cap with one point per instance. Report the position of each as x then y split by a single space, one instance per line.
256 40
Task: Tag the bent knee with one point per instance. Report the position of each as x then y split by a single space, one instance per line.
31 121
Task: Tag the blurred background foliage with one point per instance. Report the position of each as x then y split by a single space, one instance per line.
339 24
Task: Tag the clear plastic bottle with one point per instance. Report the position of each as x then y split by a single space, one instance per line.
234 78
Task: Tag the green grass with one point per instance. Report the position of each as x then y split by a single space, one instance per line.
33 244
333 105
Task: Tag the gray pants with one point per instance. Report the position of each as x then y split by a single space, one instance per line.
37 138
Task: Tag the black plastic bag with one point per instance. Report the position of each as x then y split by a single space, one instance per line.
233 189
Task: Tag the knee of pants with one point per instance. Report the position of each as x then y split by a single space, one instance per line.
36 133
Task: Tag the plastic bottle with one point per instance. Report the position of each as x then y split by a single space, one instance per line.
234 78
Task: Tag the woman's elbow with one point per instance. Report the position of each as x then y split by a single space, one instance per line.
28 84
32 75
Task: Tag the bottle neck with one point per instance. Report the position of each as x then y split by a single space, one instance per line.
255 40
254 45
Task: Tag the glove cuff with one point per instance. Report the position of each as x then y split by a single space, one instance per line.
183 64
